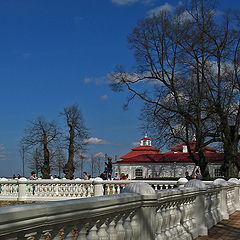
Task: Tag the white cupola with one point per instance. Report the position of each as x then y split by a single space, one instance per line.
146 141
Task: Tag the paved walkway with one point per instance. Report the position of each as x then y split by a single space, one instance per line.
225 230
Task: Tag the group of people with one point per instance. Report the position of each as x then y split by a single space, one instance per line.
107 173
16 176
197 175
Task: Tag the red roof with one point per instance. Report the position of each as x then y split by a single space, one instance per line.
145 138
169 157
140 151
192 147
149 154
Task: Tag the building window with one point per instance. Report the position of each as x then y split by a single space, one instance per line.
217 172
138 173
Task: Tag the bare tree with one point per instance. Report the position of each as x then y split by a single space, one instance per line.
174 52
41 134
59 160
77 133
98 161
35 160
79 161
22 152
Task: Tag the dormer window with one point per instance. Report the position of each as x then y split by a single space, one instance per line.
185 150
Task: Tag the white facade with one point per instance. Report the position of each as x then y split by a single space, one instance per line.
162 170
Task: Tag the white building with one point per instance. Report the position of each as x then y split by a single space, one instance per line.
147 161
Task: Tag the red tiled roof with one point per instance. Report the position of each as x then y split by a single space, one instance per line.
192 147
149 154
140 151
169 157
145 138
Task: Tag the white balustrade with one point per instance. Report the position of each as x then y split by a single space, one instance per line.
138 214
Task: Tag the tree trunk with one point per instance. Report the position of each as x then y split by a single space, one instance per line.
45 169
69 167
231 164
203 164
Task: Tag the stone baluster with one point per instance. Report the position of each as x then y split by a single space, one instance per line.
82 232
135 225
57 233
43 235
166 221
56 189
112 233
79 190
214 208
118 188
192 219
107 189
178 219
218 206
90 191
160 224
102 229
185 234
119 227
127 226
69 232
28 236
84 191
92 228
174 218
188 215
171 221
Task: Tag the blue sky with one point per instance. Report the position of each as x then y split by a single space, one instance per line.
54 53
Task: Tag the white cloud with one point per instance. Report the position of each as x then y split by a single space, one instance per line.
77 20
95 140
104 97
97 80
135 144
165 7
100 154
27 55
125 2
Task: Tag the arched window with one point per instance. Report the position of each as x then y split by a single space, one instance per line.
138 173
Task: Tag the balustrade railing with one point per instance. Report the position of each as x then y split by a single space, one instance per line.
62 189
140 213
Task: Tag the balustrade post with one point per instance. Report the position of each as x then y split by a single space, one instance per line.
147 213
98 187
199 206
223 197
22 189
236 192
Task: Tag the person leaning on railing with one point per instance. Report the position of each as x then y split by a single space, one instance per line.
33 177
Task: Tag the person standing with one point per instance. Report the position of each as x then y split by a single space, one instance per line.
85 176
198 175
33 177
187 176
